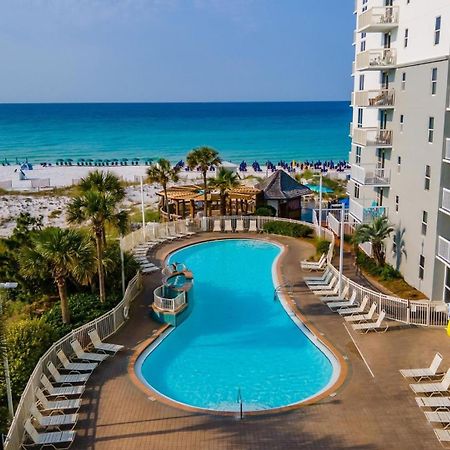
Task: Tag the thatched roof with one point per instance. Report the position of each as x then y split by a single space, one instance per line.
281 186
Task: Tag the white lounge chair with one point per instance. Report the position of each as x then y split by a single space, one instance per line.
63 391
328 290
377 326
426 372
86 356
253 226
366 317
55 420
56 405
344 304
442 435
103 346
357 310
239 226
217 226
320 279
432 388
439 403
149 269
442 417
66 379
74 367
314 265
54 439
228 228
337 298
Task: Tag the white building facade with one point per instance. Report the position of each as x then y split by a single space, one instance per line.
400 151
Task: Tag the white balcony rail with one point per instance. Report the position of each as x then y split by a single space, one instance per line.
378 18
333 224
444 249
376 59
446 199
379 98
372 136
447 149
371 175
364 213
168 304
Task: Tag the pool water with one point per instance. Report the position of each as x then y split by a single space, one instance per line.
237 336
316 188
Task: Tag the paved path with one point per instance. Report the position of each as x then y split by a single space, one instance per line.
365 413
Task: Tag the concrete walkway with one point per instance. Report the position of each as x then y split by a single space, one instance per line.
374 409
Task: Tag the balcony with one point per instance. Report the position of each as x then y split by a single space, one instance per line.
372 137
378 19
371 175
443 251
380 98
445 206
447 151
365 211
378 59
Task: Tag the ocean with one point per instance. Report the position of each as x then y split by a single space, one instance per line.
239 131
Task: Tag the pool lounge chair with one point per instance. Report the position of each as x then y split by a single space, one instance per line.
328 289
146 270
433 388
228 227
217 225
86 356
442 435
377 326
357 310
253 226
322 281
442 417
54 439
365 317
56 405
74 367
66 379
55 420
438 403
318 279
344 304
239 226
63 391
103 347
426 372
314 265
337 298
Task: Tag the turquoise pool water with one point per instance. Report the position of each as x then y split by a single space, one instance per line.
315 188
237 337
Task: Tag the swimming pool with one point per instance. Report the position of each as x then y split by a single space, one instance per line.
238 338
316 188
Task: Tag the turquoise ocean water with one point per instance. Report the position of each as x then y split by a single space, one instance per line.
240 131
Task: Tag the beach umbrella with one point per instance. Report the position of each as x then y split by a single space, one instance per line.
98 162
80 161
124 161
114 161
135 161
106 161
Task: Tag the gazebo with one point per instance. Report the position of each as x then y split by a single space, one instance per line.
283 193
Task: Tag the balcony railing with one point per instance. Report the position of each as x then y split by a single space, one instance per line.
373 175
380 98
446 200
383 58
372 136
378 18
167 300
447 150
444 249
365 213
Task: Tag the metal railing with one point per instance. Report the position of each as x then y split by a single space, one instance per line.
371 174
372 136
376 59
447 149
378 17
377 98
446 199
106 325
168 304
363 213
444 249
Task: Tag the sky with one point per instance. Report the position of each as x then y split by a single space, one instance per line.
175 50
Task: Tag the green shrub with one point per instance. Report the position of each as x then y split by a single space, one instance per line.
386 273
322 246
288 229
389 273
4 418
266 210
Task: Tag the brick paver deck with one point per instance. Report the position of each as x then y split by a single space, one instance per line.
367 412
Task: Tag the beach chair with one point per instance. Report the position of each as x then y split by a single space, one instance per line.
365 317
442 435
253 226
228 226
56 405
337 298
343 304
433 388
217 226
103 347
426 372
442 417
86 356
66 379
326 289
318 279
377 326
63 391
357 310
438 403
312 265
55 420
239 226
74 367
147 270
55 439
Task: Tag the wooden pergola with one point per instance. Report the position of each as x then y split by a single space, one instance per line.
187 200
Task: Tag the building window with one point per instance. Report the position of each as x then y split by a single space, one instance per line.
405 42
358 155
356 193
362 46
361 82
403 84
397 201
447 286
433 81
427 177
364 5
424 222
437 30
399 163
402 121
360 117
421 266
430 129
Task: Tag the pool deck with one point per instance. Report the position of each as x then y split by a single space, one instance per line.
373 409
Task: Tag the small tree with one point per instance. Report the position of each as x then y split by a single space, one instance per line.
375 232
203 158
225 181
162 173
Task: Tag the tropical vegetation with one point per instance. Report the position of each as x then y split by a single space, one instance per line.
225 181
297 230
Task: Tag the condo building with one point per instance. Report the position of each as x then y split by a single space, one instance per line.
400 151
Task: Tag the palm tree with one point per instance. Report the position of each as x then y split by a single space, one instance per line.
399 246
225 181
203 158
65 253
375 232
163 173
97 204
